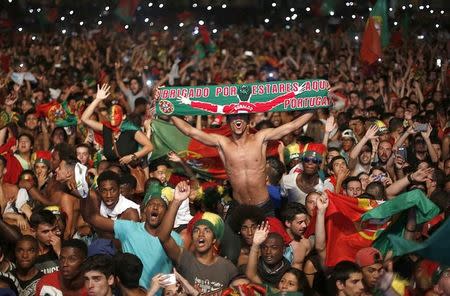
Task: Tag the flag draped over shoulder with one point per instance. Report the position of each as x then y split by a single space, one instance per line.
376 34
203 159
344 233
425 211
125 10
435 248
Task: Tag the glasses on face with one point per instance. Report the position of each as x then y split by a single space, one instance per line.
311 159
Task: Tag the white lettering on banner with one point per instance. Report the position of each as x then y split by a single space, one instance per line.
294 103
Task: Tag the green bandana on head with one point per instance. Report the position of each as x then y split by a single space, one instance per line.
154 189
213 222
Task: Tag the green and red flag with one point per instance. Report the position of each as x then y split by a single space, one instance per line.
345 234
244 98
125 10
204 160
435 248
425 211
59 113
376 34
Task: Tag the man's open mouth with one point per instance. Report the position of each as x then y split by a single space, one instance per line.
238 123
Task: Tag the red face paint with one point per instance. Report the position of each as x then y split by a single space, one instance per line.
116 115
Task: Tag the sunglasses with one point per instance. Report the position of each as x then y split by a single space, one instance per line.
311 159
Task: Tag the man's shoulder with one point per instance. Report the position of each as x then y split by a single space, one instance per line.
222 261
10 189
121 223
51 279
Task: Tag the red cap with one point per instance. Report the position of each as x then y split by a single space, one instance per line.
42 156
368 256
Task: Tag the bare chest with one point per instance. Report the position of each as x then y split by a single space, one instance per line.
251 153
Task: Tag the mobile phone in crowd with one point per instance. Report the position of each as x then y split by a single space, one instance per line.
168 279
421 127
402 152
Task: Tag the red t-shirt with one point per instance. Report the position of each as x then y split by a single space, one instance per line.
49 284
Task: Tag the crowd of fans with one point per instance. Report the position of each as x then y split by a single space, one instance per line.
155 227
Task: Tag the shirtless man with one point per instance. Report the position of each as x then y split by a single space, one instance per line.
244 154
57 193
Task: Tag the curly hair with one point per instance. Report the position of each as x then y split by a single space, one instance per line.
242 213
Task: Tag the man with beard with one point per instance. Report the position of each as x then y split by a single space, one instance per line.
384 152
202 268
361 155
244 155
296 220
68 281
296 185
27 274
138 238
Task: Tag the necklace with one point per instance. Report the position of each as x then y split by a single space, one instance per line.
268 270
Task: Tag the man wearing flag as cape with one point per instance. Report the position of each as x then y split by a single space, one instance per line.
244 154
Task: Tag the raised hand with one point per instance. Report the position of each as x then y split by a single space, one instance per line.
26 184
342 173
423 174
261 233
185 284
330 124
173 157
10 100
426 134
184 100
371 133
102 92
182 191
155 285
322 203
400 162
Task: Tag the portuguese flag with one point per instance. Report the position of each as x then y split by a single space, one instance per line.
125 10
355 223
434 248
376 34
59 113
425 211
203 159
344 232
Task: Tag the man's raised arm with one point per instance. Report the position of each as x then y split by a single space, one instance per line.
281 131
171 248
199 135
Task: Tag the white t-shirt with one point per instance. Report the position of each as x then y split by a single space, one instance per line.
290 189
131 98
122 205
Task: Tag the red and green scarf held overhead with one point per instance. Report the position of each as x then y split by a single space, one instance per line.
228 99
276 96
